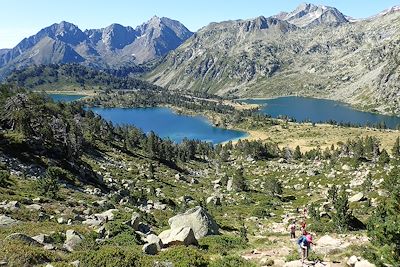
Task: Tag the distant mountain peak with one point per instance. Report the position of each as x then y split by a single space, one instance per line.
307 14
391 10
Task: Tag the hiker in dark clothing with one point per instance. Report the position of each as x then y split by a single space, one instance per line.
292 229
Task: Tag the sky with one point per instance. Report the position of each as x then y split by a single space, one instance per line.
22 18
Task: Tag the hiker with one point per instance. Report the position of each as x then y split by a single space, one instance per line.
303 228
292 228
303 245
309 242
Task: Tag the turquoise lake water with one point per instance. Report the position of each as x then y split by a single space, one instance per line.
65 98
163 121
320 110
167 124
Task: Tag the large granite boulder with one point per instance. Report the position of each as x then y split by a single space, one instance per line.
198 220
327 243
178 236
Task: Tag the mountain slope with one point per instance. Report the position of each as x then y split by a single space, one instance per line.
115 45
353 62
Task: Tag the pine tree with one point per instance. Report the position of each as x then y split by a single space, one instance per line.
333 194
342 217
396 148
239 180
384 225
151 171
384 157
297 153
367 184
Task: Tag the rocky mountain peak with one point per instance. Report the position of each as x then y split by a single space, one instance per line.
311 15
117 36
64 31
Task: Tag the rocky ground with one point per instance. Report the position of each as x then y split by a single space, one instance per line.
158 212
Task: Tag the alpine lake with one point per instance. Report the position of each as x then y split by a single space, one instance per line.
168 124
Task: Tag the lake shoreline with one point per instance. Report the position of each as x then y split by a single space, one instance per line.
80 92
348 104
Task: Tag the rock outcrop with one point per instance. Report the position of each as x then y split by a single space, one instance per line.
198 220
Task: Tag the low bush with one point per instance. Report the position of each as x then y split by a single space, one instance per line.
17 253
293 256
313 256
222 243
109 256
232 261
182 256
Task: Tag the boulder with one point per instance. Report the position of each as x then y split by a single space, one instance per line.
150 249
364 263
312 173
346 167
357 197
7 221
43 239
12 205
178 236
73 239
61 220
93 222
153 239
215 200
107 215
293 264
229 185
135 220
34 207
198 220
352 261
298 187
327 244
24 239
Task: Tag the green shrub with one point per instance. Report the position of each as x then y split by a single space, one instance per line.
260 212
313 256
48 185
182 256
269 262
4 178
232 261
89 242
124 239
293 256
18 254
109 256
222 243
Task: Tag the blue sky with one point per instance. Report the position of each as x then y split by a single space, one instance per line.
22 18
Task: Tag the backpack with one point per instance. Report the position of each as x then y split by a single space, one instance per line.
302 240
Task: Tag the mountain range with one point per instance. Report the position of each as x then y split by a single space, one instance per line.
313 51
113 46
